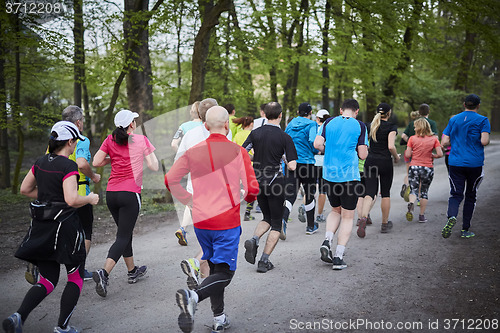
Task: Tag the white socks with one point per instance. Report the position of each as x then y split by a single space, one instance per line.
329 236
339 252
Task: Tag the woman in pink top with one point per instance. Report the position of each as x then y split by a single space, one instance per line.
126 152
421 171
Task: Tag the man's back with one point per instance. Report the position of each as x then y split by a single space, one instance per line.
342 137
464 131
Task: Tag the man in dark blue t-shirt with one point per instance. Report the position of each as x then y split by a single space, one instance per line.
467 132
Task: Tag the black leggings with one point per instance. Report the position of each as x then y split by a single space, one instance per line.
214 285
271 197
124 206
378 170
49 276
305 174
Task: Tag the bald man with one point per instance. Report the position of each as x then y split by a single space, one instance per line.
218 167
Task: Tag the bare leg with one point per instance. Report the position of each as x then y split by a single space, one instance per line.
423 205
367 206
333 220
386 207
261 228
321 203
110 264
272 240
129 261
204 268
345 227
87 245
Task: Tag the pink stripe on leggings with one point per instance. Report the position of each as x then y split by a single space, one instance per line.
46 283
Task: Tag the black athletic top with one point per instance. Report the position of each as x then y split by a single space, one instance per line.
270 143
50 171
380 149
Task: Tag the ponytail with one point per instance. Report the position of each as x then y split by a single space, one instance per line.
243 121
120 136
375 126
55 145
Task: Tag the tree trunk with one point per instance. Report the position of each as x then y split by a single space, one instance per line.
4 135
325 72
245 60
178 52
79 53
495 107
465 63
210 18
135 27
16 107
405 59
271 45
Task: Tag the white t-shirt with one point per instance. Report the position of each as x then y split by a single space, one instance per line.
259 122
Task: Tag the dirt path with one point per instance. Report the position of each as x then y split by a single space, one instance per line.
410 277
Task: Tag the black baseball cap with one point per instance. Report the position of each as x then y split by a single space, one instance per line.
472 100
305 108
383 108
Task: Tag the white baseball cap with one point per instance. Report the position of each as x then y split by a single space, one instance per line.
124 118
66 130
322 113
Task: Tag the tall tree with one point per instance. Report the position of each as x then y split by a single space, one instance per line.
135 27
16 107
210 14
325 71
79 52
4 137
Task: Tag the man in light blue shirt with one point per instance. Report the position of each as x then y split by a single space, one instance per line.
344 139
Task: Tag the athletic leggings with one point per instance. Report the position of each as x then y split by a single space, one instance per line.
468 179
124 207
49 276
305 174
213 286
420 176
378 170
271 197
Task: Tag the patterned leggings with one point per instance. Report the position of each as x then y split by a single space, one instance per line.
420 176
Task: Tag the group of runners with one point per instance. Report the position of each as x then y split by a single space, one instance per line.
220 161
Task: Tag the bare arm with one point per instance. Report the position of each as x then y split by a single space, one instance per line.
439 153
363 152
71 194
292 165
175 144
152 162
319 143
28 186
85 168
101 159
445 141
485 138
408 152
404 137
392 146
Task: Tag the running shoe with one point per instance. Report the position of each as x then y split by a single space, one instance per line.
409 214
446 232
181 235
338 264
386 227
251 250
422 219
68 329
302 213
361 228
32 274
283 230
248 217
220 326
87 275
187 304
418 202
258 210
13 324
467 234
192 270
320 218
357 223
406 195
369 220
263 267
313 230
101 282
139 273
403 190
326 253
